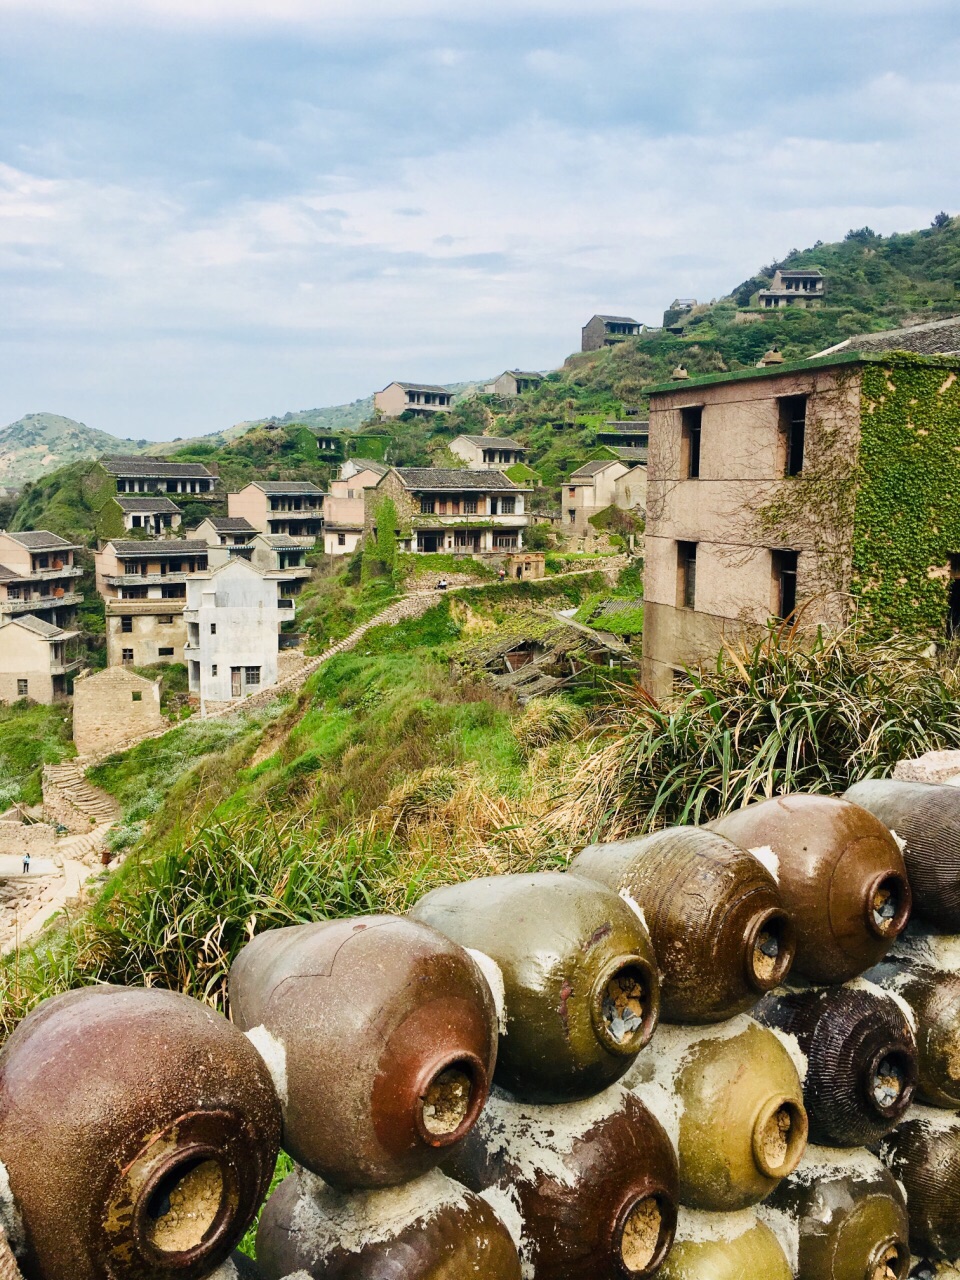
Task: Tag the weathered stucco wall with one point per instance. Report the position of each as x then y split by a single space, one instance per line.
107 713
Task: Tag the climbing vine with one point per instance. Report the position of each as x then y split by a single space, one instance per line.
380 558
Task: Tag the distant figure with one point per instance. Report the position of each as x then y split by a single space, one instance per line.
442 584
26 862
501 573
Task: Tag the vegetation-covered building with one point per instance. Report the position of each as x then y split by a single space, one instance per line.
608 331
439 509
343 511
152 517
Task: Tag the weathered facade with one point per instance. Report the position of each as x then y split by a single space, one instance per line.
224 531
36 657
293 507
233 625
155 475
154 517
465 512
343 511
419 398
513 382
144 587
113 709
488 453
793 289
608 331
38 575
605 482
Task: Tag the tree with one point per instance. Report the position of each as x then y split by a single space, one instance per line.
941 220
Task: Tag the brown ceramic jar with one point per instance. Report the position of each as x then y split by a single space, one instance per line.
730 1099
139 1130
595 1182
861 1059
429 1229
927 818
841 875
383 1034
581 989
933 997
725 1246
847 1216
721 935
923 1154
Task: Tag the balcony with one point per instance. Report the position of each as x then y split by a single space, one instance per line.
149 579
40 602
117 608
48 575
519 520
64 668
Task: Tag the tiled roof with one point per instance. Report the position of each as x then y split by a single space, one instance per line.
495 442
232 524
295 487
627 454
284 540
148 548
368 464
611 608
42 628
448 478
590 469
618 319
151 506
41 540
120 466
421 386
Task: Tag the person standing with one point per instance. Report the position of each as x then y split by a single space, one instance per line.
26 861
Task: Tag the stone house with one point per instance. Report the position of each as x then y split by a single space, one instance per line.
155 475
608 331
793 289
113 709
343 508
154 517
471 513
419 398
778 492
513 382
38 575
144 586
488 453
602 483
36 657
233 633
293 507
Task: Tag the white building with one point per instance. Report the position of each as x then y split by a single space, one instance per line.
233 633
488 453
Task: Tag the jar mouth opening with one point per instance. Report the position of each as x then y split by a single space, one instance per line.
625 1005
888 902
644 1233
185 1207
770 945
450 1095
890 1260
890 1080
780 1137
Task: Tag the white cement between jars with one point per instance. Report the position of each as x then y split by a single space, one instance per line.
935 950
10 1221
504 1201
274 1054
635 907
786 1227
695 1226
493 975
767 858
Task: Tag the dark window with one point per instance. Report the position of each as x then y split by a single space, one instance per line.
793 426
22 687
508 506
341 539
127 655
136 522
213 669
251 675
785 582
165 619
690 422
687 575
137 696
953 611
469 506
572 514
177 592
213 628
126 625
166 653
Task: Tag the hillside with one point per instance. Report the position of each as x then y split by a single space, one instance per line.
40 443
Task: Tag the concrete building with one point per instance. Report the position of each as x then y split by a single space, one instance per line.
233 633
471 512
629 433
605 482
144 585
224 531
330 446
293 507
419 398
792 289
829 486
38 575
488 453
113 709
153 516
154 475
36 657
608 331
284 559
343 511
513 382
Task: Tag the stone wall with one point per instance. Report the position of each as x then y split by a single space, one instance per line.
113 708
18 837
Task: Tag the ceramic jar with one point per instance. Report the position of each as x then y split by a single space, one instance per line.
138 1130
927 818
923 1154
428 1229
580 981
861 1059
719 929
841 875
594 1182
382 1034
933 996
725 1246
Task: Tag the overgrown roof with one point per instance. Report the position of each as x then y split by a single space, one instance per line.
452 479
149 506
809 365
140 467
935 337
42 540
495 442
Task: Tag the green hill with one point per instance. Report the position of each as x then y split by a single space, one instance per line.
40 443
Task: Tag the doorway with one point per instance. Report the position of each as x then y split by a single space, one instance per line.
235 686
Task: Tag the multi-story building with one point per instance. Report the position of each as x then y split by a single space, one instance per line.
419 398
605 482
224 531
608 331
144 585
293 507
36 658
513 382
38 575
488 453
155 475
155 517
343 508
438 509
823 490
793 289
284 559
233 633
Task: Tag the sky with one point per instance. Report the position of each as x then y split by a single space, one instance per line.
217 210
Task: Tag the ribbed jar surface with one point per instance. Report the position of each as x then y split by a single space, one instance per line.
923 1153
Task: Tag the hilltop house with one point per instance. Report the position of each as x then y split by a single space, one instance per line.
629 434
488 453
605 482
343 511
36 657
783 487
793 288
608 331
437 509
144 585
155 517
38 575
155 475
293 507
233 620
512 382
419 398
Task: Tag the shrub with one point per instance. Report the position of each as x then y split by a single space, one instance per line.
547 720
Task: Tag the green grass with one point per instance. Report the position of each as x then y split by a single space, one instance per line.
30 737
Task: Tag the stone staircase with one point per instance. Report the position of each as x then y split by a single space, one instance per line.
73 802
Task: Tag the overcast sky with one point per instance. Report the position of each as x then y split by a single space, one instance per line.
213 210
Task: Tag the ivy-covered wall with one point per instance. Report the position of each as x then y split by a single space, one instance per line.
907 514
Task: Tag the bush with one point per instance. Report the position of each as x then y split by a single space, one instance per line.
547 720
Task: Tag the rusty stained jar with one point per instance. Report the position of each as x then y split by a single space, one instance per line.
923 1154
580 981
716 917
594 1182
932 995
844 1215
428 1229
841 875
725 1246
139 1131
382 1034
861 1059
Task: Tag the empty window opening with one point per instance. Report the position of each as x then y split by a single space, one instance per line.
126 625
793 427
687 575
166 652
22 687
690 423
137 696
953 600
784 583
126 656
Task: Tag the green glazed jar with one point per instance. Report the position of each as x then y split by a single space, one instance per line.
580 980
724 1246
731 1099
